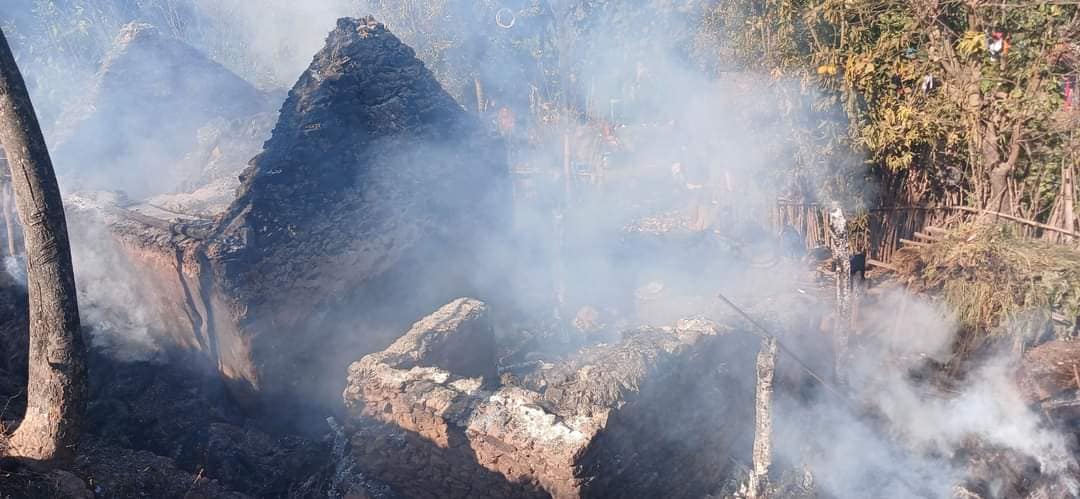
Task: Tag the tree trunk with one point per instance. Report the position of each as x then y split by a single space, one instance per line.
56 391
1000 201
762 458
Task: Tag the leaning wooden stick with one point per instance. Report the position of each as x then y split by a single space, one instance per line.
802 364
915 489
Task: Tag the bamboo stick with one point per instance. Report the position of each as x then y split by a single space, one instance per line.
913 243
1018 220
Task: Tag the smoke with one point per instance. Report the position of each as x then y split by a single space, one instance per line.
114 296
15 266
691 163
131 95
718 151
915 435
271 41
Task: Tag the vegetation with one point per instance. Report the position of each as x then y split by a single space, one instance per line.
997 281
914 89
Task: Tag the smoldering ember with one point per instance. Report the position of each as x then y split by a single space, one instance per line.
533 248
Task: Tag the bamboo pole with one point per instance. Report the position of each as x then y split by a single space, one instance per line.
1068 188
1017 219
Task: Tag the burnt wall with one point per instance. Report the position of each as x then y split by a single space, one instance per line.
423 469
654 412
684 434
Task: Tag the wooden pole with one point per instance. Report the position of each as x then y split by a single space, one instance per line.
1068 188
842 260
762 456
560 264
479 87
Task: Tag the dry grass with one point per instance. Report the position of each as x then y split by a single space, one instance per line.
995 280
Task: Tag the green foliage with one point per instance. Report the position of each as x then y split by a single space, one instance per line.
870 59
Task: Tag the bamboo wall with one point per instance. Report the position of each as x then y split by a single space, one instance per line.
888 225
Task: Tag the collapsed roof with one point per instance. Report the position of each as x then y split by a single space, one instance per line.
374 180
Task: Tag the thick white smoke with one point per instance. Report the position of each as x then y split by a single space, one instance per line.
733 132
272 41
912 439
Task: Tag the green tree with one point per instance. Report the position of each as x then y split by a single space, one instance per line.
935 113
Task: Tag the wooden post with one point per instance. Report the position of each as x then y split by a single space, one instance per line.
560 257
842 261
480 104
762 458
1068 189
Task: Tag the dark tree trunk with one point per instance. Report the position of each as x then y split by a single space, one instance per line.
56 391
